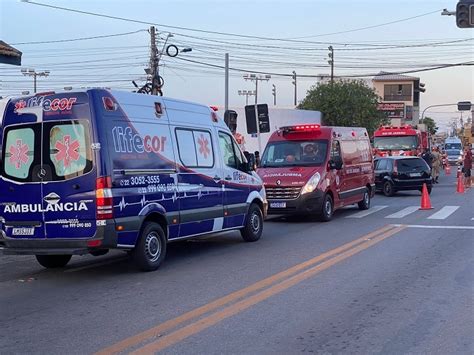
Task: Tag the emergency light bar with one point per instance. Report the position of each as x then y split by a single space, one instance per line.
301 128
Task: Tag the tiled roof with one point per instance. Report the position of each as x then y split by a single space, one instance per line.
5 49
385 76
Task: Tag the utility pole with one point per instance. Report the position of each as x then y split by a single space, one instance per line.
331 62
34 74
226 102
155 76
246 93
296 91
274 93
257 78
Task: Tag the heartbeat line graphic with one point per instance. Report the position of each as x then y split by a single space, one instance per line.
186 194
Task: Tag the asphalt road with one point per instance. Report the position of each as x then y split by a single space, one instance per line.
391 280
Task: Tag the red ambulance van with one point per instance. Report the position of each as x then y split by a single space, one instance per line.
312 169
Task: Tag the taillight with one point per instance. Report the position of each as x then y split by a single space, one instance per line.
104 200
395 169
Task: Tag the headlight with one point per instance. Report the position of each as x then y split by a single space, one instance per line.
311 184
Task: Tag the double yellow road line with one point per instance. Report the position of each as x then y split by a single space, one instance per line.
175 330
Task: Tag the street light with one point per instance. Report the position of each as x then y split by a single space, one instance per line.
246 93
34 74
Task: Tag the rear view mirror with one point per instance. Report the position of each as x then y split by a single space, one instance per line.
335 164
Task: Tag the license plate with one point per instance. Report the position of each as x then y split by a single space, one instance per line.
23 231
277 204
415 174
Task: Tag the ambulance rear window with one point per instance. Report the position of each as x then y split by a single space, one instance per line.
64 152
19 153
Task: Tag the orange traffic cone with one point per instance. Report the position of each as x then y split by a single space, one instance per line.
425 199
447 170
460 187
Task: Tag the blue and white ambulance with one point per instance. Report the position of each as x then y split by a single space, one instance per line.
92 170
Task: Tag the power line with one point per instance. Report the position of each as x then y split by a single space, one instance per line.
79 39
213 32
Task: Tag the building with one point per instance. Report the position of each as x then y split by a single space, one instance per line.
400 96
9 55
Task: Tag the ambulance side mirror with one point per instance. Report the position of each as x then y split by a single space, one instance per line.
335 163
249 166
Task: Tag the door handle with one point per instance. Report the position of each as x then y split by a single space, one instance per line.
217 178
76 186
228 177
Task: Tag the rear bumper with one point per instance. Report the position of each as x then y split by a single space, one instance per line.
304 204
415 184
105 238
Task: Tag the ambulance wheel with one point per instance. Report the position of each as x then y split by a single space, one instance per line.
53 261
327 209
388 189
150 250
253 228
365 203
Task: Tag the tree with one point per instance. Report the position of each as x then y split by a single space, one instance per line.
430 125
349 103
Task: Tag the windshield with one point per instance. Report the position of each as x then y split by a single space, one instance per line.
394 143
452 146
295 153
453 152
66 151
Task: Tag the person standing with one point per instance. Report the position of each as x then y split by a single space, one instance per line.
436 162
427 157
467 165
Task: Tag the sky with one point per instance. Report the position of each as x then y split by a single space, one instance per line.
267 36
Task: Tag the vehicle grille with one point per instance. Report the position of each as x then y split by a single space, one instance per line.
283 193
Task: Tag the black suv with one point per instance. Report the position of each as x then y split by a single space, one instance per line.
393 174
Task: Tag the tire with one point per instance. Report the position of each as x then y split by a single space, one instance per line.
388 189
327 208
365 203
150 250
53 261
253 227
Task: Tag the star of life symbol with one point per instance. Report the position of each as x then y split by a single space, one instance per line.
19 154
203 146
18 105
67 151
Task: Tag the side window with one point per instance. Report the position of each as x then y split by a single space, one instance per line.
195 148
69 152
381 164
19 152
335 150
233 157
227 150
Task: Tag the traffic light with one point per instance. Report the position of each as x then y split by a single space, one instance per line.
263 118
465 14
251 119
419 87
230 119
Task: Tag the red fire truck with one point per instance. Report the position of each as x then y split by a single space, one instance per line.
402 140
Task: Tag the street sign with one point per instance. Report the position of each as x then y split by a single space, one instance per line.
464 106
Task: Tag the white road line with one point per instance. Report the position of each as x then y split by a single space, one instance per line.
404 212
444 213
367 212
432 227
